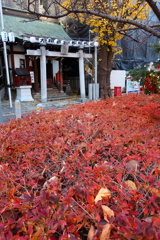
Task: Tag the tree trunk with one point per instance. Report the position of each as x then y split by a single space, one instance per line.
104 70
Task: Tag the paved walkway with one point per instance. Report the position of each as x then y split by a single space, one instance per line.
7 113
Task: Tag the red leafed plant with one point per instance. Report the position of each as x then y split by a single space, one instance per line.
87 172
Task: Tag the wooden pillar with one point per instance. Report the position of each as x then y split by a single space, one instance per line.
61 75
43 74
36 74
81 74
12 64
27 61
12 58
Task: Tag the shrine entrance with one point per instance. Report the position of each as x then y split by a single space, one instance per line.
46 68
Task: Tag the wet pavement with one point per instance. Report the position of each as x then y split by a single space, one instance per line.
7 113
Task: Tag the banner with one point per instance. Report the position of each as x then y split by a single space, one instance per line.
132 86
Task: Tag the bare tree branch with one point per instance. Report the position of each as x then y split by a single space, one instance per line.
135 28
154 7
76 10
105 16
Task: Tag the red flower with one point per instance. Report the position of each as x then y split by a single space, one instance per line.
158 67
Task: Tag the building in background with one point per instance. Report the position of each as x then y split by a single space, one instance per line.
42 48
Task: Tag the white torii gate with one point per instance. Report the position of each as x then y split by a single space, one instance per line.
43 53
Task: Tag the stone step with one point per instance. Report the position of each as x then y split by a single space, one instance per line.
51 94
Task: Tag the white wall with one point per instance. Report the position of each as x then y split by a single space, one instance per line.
17 58
118 78
55 65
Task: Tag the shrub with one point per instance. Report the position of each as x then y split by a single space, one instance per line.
91 170
149 77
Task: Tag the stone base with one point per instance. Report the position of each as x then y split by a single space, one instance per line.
24 93
83 100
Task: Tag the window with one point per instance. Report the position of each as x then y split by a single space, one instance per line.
22 63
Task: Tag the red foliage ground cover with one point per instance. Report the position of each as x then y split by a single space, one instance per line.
53 164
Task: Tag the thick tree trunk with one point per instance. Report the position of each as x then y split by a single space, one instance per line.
104 70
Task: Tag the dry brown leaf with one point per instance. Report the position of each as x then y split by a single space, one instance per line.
131 184
152 218
33 175
108 213
132 165
105 235
152 190
91 233
63 167
1 167
114 103
148 219
156 169
52 179
103 192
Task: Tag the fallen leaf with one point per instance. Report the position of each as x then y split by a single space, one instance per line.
52 179
153 218
156 170
105 235
91 233
152 190
33 175
131 184
1 167
108 213
103 193
63 167
132 165
148 219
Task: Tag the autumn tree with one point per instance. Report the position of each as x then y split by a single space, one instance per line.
106 29
110 21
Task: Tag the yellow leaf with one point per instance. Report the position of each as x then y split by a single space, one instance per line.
152 190
38 233
103 193
131 184
108 213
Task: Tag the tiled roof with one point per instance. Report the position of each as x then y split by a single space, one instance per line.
20 25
